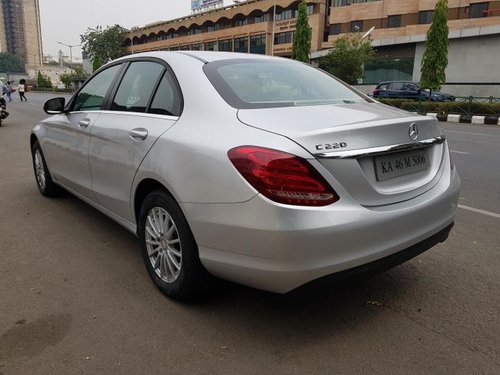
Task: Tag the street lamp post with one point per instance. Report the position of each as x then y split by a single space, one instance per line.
70 50
272 35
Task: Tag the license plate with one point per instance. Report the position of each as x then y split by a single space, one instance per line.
401 163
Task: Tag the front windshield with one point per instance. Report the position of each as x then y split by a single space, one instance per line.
259 83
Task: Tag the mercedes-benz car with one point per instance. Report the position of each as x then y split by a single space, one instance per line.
260 170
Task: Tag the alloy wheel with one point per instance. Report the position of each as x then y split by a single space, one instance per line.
40 170
163 244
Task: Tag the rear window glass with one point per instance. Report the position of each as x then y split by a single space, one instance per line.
258 83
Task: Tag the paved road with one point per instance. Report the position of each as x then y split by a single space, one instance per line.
75 298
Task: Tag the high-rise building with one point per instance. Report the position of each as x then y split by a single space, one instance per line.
20 32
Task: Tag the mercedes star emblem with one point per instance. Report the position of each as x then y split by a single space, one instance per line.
413 132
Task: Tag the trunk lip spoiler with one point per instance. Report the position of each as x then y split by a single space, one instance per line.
381 150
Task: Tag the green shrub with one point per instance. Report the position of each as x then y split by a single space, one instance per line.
457 107
393 102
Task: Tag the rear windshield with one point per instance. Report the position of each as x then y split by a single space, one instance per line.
258 83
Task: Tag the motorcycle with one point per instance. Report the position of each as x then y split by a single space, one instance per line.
3 110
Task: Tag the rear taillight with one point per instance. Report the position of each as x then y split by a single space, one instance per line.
282 177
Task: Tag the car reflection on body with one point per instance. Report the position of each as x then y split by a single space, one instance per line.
260 170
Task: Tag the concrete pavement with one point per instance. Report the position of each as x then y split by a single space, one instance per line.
75 297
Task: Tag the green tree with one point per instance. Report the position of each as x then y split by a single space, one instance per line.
302 36
10 63
43 81
77 74
103 45
348 57
435 59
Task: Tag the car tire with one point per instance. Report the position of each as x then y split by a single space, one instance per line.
169 249
42 175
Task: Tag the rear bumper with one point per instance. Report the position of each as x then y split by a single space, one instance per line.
279 248
387 262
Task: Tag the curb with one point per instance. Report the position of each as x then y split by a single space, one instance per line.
465 119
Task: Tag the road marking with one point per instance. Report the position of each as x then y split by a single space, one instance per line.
483 212
459 152
469 133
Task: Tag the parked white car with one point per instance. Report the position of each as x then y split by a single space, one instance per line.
264 171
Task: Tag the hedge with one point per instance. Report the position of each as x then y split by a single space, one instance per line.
458 107
461 108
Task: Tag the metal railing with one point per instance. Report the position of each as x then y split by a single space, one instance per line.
463 105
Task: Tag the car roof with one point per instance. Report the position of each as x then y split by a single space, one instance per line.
204 56
381 83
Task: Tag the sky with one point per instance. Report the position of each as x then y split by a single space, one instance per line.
65 20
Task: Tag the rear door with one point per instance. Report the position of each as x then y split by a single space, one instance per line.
147 103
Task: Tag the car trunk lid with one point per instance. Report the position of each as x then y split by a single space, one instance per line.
369 149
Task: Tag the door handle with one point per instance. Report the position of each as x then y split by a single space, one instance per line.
139 134
84 123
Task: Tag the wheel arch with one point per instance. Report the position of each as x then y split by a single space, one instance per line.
145 187
33 139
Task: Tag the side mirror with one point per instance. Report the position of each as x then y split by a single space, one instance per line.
54 106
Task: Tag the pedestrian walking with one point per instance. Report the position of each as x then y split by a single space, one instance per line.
9 90
22 89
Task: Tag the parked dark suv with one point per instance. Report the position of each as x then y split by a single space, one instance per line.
409 90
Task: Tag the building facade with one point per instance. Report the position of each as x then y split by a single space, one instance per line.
243 27
20 31
397 30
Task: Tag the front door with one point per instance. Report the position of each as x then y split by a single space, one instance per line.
69 134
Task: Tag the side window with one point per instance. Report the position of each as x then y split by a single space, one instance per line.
397 86
410 87
167 100
137 87
91 97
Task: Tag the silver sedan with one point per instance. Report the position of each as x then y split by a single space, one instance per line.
260 170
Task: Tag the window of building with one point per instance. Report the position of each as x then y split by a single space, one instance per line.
137 86
343 3
258 44
478 10
283 38
185 47
425 16
241 44
310 9
210 46
193 31
241 22
335 28
394 21
262 18
356 26
225 24
196 47
286 14
226 45
213 27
